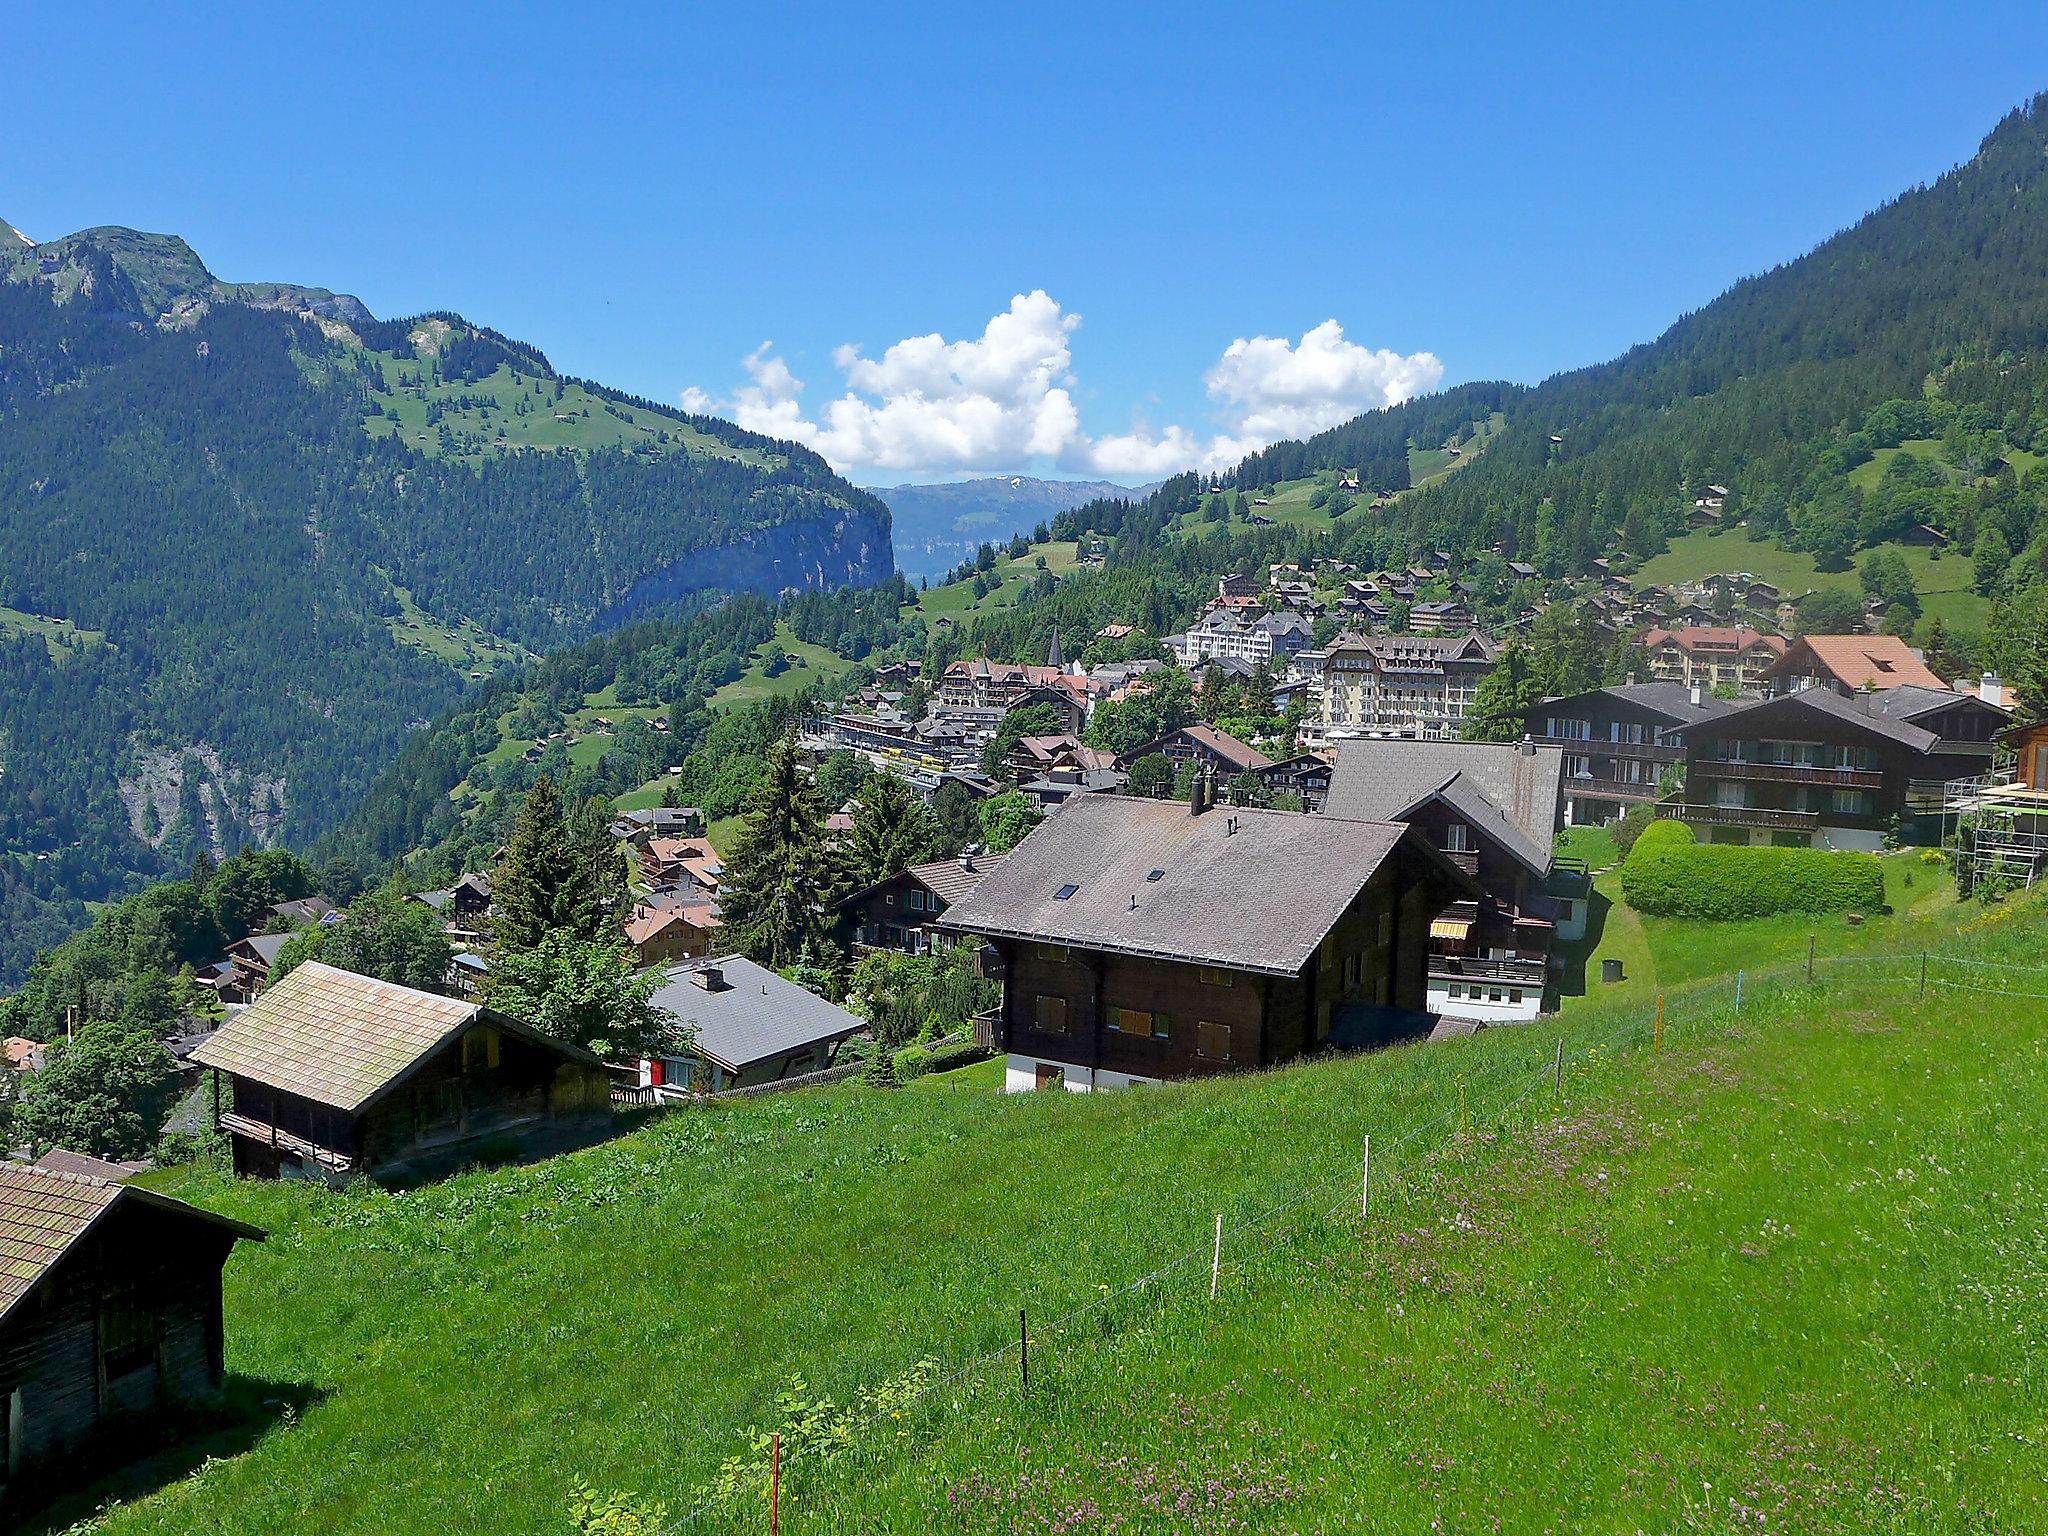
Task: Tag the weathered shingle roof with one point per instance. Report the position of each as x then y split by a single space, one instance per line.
334 1037
43 1213
1510 794
1257 899
1674 701
757 1016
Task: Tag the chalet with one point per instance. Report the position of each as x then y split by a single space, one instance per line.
1115 632
668 862
1058 785
655 935
1521 570
110 1316
1712 656
1145 940
899 912
1851 664
1237 584
23 1054
1617 743
335 1075
1816 768
1306 774
1493 809
305 912
740 1025
461 903
1203 746
636 827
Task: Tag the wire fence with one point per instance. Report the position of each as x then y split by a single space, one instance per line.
1236 1246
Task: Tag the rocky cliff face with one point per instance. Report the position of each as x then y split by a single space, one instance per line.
850 550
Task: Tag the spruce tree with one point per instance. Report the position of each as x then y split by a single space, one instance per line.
780 874
528 890
892 830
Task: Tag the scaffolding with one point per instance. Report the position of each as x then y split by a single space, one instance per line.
2000 829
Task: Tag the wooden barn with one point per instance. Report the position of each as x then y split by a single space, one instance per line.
110 1314
334 1075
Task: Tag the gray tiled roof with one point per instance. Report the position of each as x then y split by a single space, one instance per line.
756 1017
1258 899
951 879
1909 701
1511 794
1672 700
1856 710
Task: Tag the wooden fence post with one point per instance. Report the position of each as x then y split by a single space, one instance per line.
1660 1022
775 1483
1809 957
1023 1351
1557 1084
1464 1119
1923 973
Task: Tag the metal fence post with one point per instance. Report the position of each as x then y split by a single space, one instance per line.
1023 1351
1738 991
1216 1257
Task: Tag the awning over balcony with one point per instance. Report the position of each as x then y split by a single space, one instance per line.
1455 929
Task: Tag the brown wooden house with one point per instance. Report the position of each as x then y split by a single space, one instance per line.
110 1314
900 912
335 1074
1145 940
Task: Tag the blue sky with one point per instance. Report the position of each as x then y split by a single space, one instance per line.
1467 193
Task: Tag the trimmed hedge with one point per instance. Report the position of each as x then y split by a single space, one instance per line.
1716 882
962 1054
1665 832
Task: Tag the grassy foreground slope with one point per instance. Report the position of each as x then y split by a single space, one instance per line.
1792 1261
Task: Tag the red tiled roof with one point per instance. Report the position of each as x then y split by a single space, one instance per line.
1715 637
1861 661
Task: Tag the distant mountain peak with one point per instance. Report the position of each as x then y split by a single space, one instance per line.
159 276
7 230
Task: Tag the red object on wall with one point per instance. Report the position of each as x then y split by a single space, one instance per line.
656 1072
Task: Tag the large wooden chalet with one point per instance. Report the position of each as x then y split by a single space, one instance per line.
1493 809
1144 940
110 1312
333 1075
899 912
1618 743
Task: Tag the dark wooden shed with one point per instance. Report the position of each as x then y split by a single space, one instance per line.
110 1312
335 1075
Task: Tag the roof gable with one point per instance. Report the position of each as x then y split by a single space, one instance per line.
1857 661
44 1214
1512 793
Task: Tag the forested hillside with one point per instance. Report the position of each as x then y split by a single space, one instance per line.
249 537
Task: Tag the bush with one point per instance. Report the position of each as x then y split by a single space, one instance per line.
964 1053
1665 833
1715 882
912 1062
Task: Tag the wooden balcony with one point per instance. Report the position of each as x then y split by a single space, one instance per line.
1739 816
1639 751
1789 773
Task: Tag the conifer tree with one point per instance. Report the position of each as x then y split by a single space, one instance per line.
780 873
892 830
527 893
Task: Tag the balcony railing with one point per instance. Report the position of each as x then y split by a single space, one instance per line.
1789 773
1518 973
1641 751
1740 816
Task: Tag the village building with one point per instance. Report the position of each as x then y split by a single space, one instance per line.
636 827
657 934
1203 747
1144 940
1260 639
741 1025
1816 768
669 862
1851 664
305 912
1401 685
1712 656
901 912
1492 808
1306 774
335 1075
1617 743
110 1316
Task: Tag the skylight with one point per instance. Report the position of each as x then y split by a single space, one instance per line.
1064 892
1157 874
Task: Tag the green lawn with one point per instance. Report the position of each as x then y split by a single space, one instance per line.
1943 580
62 638
808 664
1593 846
956 601
981 1077
1790 1261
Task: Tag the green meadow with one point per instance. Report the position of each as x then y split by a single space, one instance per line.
1785 1272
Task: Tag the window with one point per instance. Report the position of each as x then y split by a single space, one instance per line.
1211 977
1212 1040
1457 838
1138 1021
1050 1013
127 1338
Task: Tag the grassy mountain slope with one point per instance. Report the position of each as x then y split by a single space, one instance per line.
1784 1261
297 532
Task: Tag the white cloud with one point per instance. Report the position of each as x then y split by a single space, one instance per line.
1004 401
